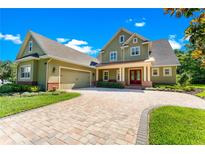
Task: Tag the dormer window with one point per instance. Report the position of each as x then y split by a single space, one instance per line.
122 39
135 40
135 51
30 46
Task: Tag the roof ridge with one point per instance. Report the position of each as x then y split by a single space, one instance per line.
32 32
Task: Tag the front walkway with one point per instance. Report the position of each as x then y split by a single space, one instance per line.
99 116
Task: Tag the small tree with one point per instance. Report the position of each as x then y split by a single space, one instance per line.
5 70
184 79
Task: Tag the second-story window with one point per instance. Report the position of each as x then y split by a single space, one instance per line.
30 46
113 56
135 51
122 38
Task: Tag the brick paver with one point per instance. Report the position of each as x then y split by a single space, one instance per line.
99 116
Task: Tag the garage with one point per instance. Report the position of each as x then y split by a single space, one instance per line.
73 78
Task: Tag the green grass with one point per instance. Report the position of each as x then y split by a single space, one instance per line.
14 104
177 126
201 86
201 94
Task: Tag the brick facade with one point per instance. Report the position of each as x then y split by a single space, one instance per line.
53 86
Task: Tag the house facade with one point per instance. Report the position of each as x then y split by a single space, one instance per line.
128 58
132 59
51 65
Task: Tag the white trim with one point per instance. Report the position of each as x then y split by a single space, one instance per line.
26 59
153 71
134 39
26 78
107 73
120 38
135 47
74 69
166 65
118 73
111 52
170 71
47 69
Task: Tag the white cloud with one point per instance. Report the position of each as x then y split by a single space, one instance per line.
143 18
129 20
9 37
176 44
82 46
140 24
62 40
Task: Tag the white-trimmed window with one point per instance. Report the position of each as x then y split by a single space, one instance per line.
135 40
135 51
30 46
113 56
117 75
25 72
105 75
155 71
122 38
167 71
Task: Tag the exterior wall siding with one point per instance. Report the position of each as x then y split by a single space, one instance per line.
54 67
41 73
164 79
35 49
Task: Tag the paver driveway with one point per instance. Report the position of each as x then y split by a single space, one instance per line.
99 116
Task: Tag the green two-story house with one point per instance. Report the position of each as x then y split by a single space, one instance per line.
132 59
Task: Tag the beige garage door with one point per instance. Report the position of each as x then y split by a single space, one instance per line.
74 79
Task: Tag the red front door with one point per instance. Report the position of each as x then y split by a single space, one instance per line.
135 76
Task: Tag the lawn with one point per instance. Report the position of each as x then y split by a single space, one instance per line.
177 126
201 86
14 104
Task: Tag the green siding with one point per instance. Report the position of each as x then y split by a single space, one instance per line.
164 79
112 74
124 56
114 45
41 73
35 49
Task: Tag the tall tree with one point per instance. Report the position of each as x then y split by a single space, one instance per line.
7 71
196 30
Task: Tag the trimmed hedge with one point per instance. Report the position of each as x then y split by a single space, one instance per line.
109 84
9 88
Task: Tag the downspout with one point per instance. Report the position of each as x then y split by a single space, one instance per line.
47 73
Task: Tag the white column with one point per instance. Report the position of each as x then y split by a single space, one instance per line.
148 73
120 74
96 74
123 74
145 73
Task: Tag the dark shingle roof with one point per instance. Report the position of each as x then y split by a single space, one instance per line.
57 50
163 53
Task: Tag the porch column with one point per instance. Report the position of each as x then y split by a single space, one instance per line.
120 74
96 74
148 73
123 74
145 72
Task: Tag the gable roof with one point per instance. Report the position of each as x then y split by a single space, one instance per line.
133 35
59 51
163 54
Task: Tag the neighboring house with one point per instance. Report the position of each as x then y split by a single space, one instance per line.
132 59
52 65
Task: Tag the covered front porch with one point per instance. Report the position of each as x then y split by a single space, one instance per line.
130 74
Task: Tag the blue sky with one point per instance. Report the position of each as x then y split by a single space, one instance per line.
87 30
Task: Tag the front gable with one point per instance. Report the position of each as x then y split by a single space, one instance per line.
114 45
25 51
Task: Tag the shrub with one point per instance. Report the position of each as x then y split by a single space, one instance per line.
184 79
110 84
9 88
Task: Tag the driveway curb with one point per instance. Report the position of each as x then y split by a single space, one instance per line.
143 130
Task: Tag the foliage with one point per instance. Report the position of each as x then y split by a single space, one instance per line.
177 88
7 71
109 84
177 126
190 66
196 30
10 88
14 104
184 79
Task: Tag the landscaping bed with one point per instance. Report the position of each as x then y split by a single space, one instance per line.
197 89
170 125
18 102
